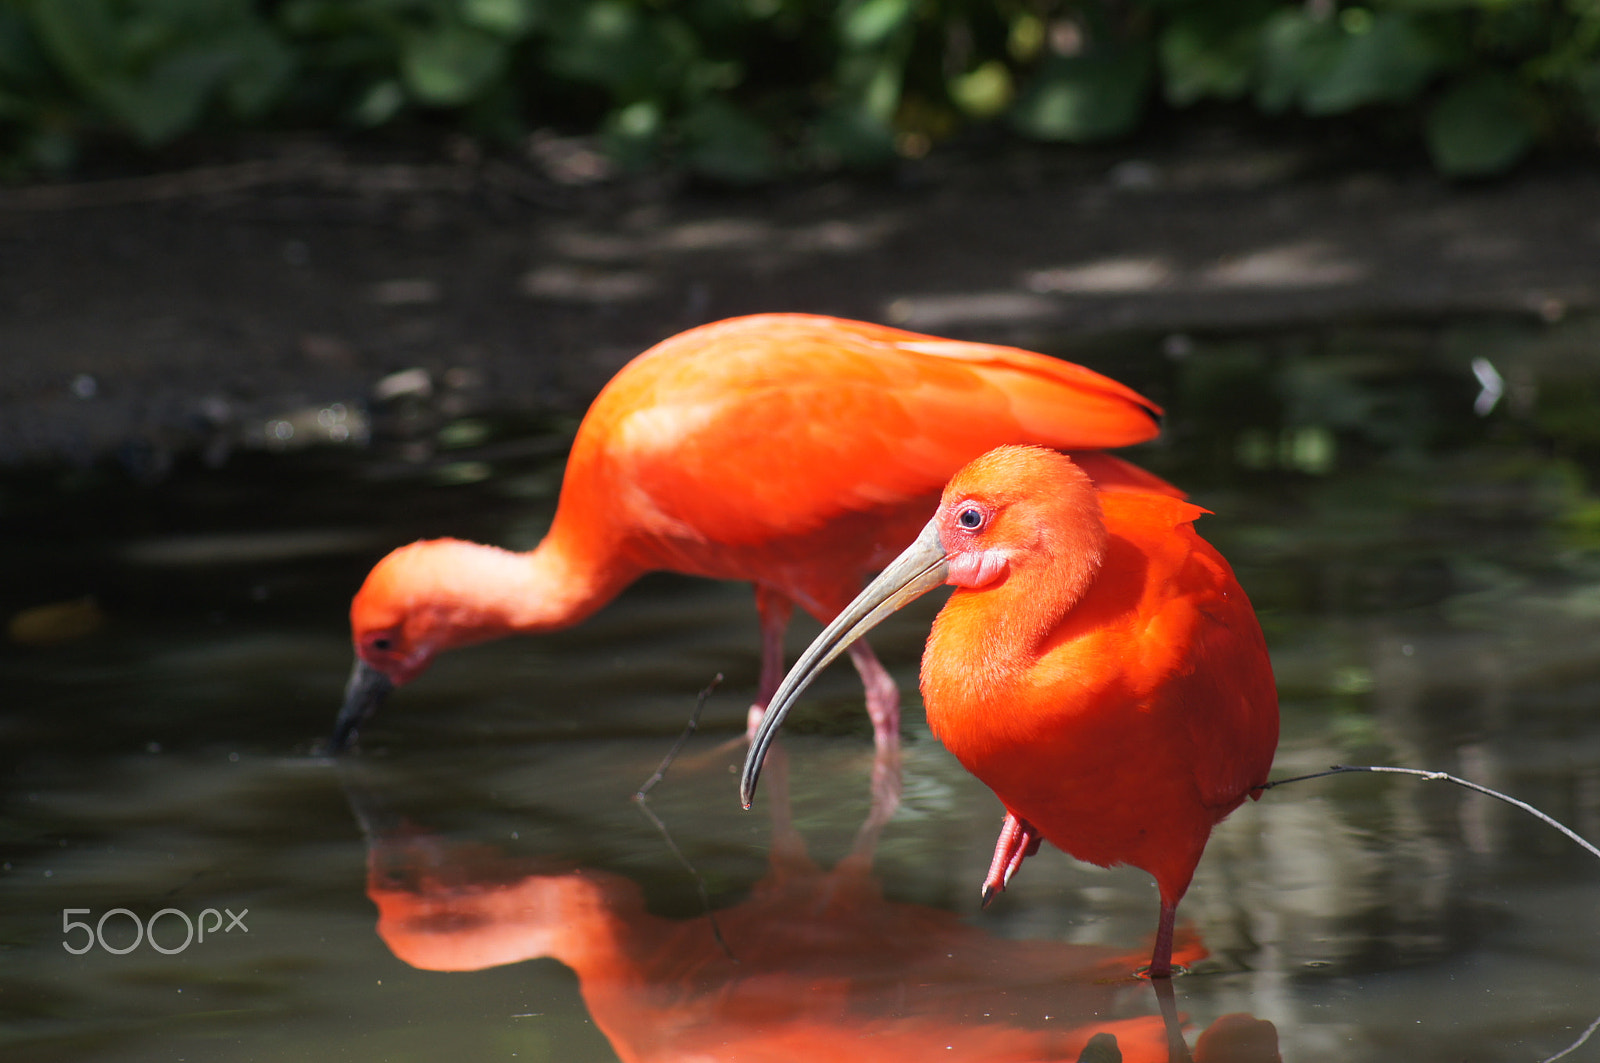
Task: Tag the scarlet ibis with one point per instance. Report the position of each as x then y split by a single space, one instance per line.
797 452
1098 667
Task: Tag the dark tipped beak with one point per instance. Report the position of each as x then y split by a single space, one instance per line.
363 694
918 570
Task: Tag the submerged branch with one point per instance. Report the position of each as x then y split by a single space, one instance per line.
641 798
1434 776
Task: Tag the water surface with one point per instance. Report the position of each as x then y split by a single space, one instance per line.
1427 573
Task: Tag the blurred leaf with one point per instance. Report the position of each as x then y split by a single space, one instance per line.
1455 5
152 66
1025 37
848 79
631 53
631 133
168 99
449 65
1202 55
869 23
50 150
642 119
82 37
308 17
1295 50
262 67
503 18
21 61
381 102
1388 63
722 142
872 84
598 40
1086 98
1587 82
846 135
1329 66
1480 126
705 76
984 92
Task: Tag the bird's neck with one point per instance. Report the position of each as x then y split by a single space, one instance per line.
995 633
583 919
590 919
564 582
982 652
488 593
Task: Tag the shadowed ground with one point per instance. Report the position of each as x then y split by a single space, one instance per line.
234 305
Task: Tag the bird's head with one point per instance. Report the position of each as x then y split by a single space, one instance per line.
400 619
1015 509
1020 507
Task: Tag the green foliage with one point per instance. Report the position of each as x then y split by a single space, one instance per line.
1334 66
1098 95
1480 126
149 68
722 142
1211 51
744 90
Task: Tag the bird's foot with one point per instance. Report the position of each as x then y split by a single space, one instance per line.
1018 840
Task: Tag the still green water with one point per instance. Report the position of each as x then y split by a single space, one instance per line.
1427 573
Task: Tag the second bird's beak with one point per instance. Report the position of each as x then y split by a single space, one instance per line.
921 568
363 693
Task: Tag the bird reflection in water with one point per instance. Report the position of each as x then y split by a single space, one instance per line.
812 965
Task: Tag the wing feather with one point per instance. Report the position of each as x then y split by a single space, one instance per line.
1223 696
828 417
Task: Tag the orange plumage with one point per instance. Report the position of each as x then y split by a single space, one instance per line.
1098 667
810 965
797 452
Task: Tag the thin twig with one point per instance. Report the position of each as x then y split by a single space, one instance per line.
677 747
641 799
1574 1046
1341 769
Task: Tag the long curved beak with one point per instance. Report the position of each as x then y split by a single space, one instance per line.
363 693
918 570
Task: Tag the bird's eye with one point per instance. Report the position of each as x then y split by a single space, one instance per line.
970 518
383 643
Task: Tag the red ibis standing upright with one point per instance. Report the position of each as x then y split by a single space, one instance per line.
1098 667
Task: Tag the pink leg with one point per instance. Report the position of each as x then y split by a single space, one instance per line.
1161 958
883 697
1018 840
774 610
883 708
